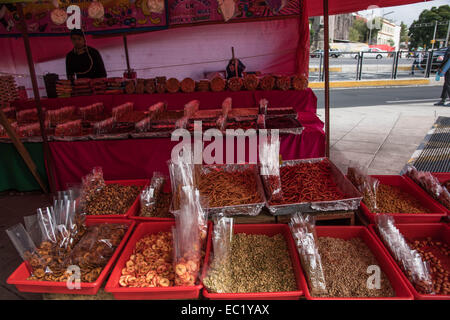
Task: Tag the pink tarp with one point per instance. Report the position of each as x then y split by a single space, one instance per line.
266 46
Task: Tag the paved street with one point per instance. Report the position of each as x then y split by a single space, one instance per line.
380 128
343 98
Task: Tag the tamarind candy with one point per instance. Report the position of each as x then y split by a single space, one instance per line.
187 85
267 83
299 82
283 83
251 82
140 86
218 84
203 85
150 86
235 84
130 87
172 85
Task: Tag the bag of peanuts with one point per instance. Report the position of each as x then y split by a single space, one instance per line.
430 184
367 185
189 234
263 104
150 194
91 184
219 267
415 268
304 233
270 165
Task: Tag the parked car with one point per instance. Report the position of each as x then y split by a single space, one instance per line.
436 61
372 53
334 53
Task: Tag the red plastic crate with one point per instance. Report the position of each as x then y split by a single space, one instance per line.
134 207
348 232
20 275
441 176
269 230
437 231
437 211
175 292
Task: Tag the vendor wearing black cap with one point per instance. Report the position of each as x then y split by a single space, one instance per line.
83 61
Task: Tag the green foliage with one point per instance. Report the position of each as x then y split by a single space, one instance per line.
359 32
421 36
404 32
391 42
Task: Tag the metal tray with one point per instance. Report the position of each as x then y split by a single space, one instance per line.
297 130
351 202
252 209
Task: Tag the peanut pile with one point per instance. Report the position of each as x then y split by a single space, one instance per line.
436 254
392 199
112 199
345 264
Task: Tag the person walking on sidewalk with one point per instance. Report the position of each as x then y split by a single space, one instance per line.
446 89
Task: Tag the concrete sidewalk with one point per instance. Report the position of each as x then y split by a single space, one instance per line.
383 137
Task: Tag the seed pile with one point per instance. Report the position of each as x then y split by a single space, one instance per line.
392 199
112 199
258 263
345 265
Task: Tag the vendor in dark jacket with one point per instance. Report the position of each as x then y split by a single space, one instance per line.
83 61
446 89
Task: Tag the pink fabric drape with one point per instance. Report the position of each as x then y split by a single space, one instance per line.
303 41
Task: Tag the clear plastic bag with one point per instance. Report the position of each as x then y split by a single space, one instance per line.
119 111
91 185
304 233
143 125
182 123
269 158
151 194
21 240
104 126
47 224
430 184
191 108
220 267
226 106
91 112
190 231
32 227
157 108
263 104
95 249
410 260
365 184
61 115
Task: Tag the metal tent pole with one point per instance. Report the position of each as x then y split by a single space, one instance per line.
326 63
26 41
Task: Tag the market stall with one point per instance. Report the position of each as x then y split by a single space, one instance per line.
110 228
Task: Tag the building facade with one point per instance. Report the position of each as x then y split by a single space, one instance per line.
389 34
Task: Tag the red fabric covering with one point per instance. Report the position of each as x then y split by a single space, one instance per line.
139 158
315 7
303 41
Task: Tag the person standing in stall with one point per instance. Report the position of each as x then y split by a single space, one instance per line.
83 61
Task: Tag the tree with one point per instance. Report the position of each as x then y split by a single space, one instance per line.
359 32
391 42
404 33
421 36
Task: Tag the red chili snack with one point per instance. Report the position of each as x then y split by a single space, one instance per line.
307 182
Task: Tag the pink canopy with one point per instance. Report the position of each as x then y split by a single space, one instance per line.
315 7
